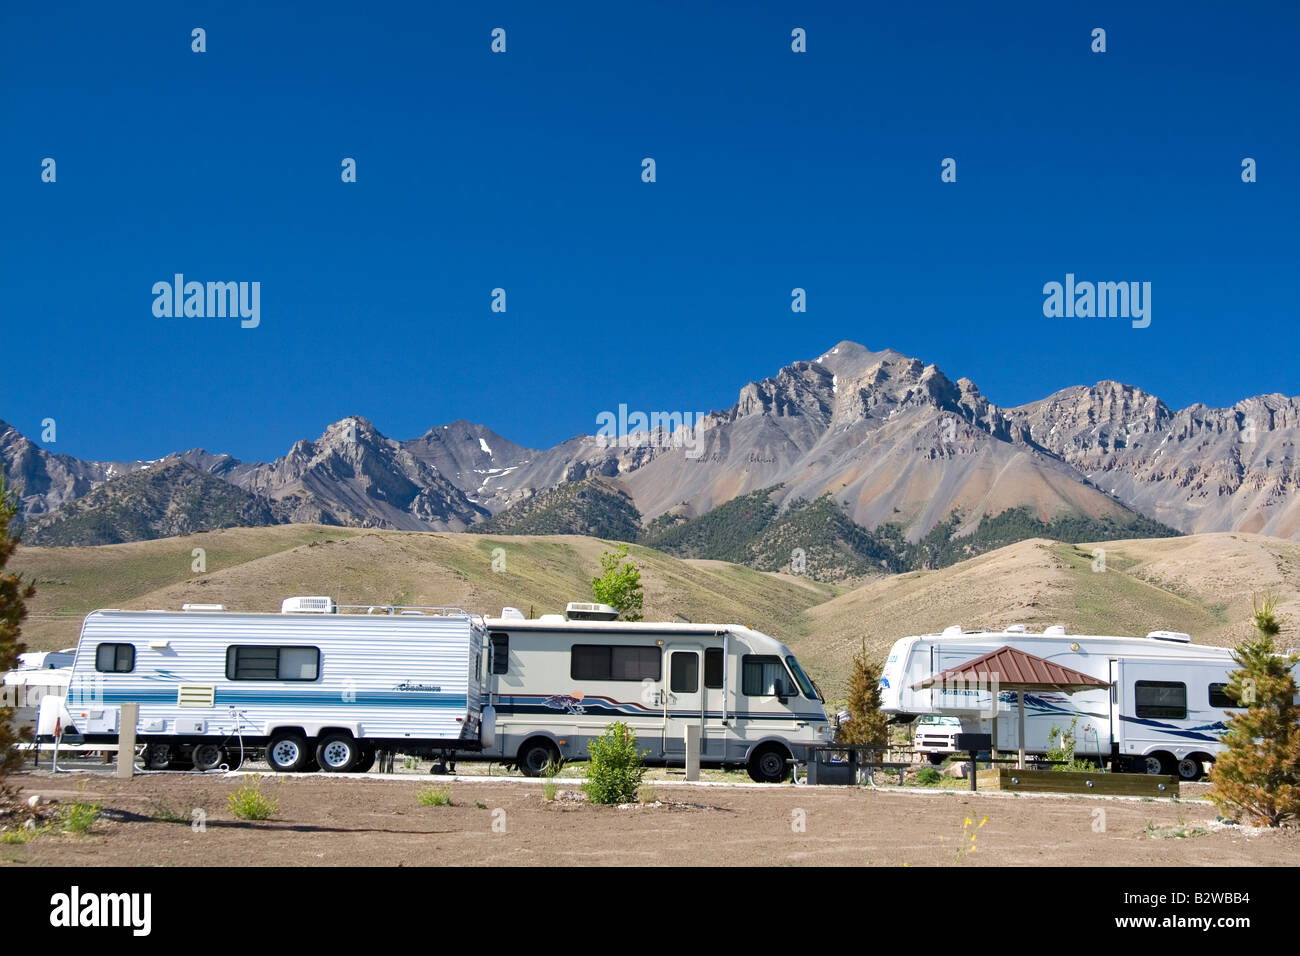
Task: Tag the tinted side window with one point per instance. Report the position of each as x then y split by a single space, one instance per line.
258 662
500 653
615 662
685 673
1219 697
763 676
1160 698
713 668
115 658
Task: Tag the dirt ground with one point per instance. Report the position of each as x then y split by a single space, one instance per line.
377 820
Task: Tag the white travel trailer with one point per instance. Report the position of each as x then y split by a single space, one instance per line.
315 685
1165 711
557 681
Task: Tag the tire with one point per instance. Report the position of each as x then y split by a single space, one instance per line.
1157 763
768 764
287 753
207 756
157 757
535 754
1191 768
364 762
937 759
337 753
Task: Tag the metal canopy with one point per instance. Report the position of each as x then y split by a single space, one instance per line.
1014 669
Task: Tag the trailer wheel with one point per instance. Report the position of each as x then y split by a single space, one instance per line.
207 757
937 759
535 755
767 765
287 753
364 762
157 757
1157 763
1191 768
337 753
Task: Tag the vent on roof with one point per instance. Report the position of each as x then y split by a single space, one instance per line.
953 630
308 605
512 614
1178 636
203 607
580 611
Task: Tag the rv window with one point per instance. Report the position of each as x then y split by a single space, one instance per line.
606 662
713 668
685 672
249 662
765 677
1160 698
500 653
115 658
1219 697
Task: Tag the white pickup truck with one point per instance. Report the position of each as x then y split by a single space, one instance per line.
936 736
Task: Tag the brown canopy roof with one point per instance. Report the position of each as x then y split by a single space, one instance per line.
1014 670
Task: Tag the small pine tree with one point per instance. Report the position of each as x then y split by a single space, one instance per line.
14 593
620 585
866 725
1258 776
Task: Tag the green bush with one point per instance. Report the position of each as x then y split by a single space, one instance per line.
79 817
434 797
615 771
928 776
249 803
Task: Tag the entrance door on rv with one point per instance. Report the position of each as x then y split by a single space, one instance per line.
685 702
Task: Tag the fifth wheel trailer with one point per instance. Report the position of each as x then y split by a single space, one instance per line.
555 683
1164 712
316 685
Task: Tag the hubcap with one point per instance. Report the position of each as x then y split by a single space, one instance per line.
285 753
207 756
771 764
1188 768
337 754
1153 765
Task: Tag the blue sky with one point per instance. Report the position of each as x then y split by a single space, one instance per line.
522 171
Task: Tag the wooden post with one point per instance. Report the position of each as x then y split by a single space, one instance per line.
129 718
995 730
693 752
1020 703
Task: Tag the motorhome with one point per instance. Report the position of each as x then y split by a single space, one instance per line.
557 681
1164 712
316 685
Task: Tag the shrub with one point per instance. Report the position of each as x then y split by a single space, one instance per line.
1064 749
615 771
434 797
79 817
249 803
866 724
928 776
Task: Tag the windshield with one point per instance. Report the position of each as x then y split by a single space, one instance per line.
805 684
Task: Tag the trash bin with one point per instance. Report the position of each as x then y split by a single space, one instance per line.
832 766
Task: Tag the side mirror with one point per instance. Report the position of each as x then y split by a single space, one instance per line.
782 699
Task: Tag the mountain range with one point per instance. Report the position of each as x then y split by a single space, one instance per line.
892 445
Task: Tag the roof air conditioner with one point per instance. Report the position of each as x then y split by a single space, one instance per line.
1170 636
309 605
583 611
1056 630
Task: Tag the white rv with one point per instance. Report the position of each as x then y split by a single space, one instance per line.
1165 711
557 681
315 685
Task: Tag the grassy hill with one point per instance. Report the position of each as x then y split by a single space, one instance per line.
1202 584
598 507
